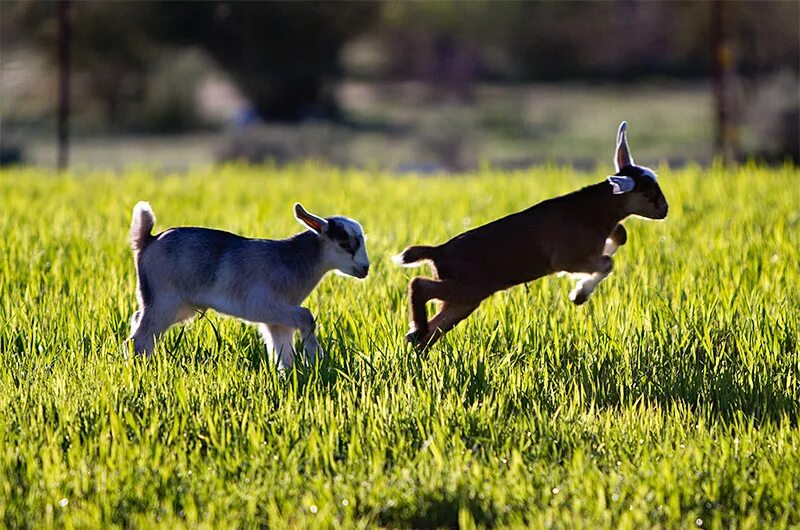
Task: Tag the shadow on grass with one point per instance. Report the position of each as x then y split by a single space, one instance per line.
722 390
435 509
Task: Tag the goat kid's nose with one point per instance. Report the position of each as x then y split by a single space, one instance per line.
362 271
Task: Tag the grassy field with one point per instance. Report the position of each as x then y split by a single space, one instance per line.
672 399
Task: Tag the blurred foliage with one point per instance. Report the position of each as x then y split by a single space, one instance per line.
772 119
286 58
620 39
280 54
111 42
169 102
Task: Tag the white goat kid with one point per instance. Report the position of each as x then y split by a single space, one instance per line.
185 270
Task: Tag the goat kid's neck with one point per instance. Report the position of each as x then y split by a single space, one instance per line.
305 258
310 260
603 207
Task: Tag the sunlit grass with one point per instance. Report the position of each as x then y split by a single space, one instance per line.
671 399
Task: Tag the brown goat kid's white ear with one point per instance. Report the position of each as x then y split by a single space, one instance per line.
620 185
622 157
309 220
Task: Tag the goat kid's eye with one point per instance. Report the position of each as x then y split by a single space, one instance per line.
346 246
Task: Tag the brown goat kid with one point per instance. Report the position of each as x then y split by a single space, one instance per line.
575 233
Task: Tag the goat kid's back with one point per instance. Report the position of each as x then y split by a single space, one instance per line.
523 246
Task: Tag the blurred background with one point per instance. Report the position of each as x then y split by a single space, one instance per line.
404 86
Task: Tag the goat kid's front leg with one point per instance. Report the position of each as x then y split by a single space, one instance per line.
303 320
311 348
592 274
279 314
616 239
280 342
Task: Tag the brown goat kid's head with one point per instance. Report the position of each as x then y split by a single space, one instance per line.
638 184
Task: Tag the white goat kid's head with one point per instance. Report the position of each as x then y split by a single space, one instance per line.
343 245
638 183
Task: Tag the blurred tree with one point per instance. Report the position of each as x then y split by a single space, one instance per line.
616 39
280 54
109 41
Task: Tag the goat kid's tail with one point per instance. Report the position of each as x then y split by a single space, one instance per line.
412 256
142 224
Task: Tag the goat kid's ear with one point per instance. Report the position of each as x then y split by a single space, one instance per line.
309 220
620 185
622 157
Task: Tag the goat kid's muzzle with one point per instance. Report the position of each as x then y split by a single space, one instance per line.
361 271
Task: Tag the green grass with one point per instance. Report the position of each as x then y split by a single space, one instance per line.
671 399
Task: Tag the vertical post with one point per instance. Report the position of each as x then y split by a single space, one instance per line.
63 82
725 131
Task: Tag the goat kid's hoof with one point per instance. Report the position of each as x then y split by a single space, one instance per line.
578 297
413 337
418 340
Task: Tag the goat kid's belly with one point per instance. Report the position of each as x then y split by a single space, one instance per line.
259 304
496 269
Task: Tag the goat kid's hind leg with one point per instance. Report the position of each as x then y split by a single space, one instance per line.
151 322
418 296
600 268
137 315
452 293
446 319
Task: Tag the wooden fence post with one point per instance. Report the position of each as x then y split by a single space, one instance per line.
63 83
